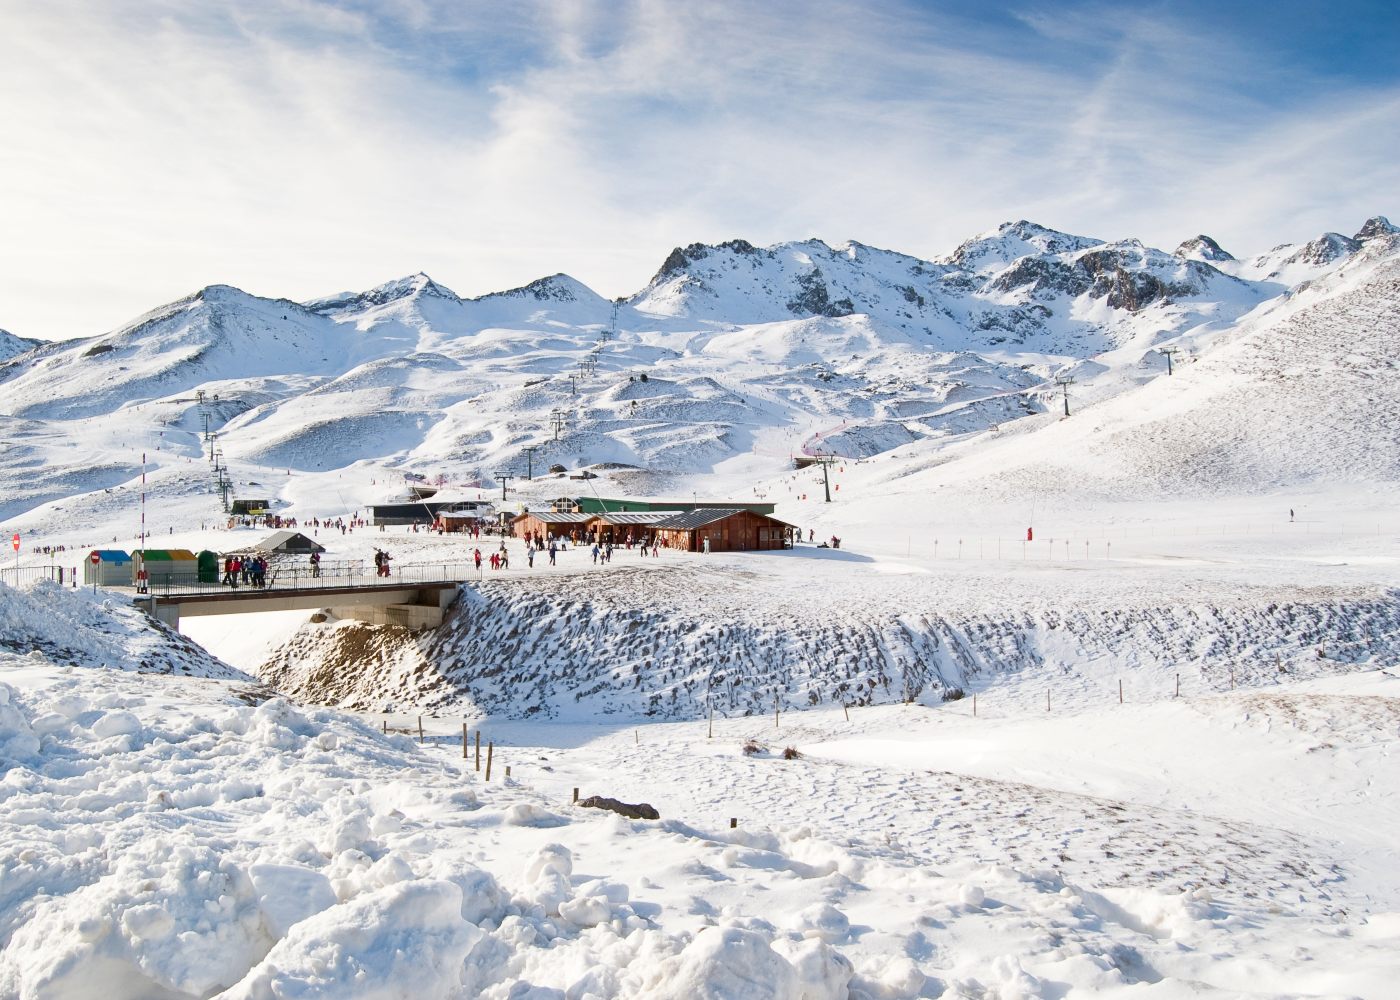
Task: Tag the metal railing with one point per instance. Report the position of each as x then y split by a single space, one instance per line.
22 576
301 577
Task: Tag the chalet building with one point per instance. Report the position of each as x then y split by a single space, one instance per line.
551 524
287 543
425 512
726 530
621 528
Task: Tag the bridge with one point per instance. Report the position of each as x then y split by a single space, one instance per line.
414 596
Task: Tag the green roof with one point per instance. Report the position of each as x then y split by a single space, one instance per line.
605 505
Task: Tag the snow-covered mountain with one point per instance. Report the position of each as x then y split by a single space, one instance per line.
733 356
12 346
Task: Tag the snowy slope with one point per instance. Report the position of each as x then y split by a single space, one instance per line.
181 838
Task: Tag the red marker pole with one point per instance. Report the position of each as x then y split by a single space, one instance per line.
15 542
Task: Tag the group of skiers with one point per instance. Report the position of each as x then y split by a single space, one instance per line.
250 570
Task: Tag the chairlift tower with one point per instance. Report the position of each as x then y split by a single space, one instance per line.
558 420
1169 352
504 478
1064 382
530 461
825 462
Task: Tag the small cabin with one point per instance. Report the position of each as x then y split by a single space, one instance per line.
250 507
112 569
288 543
167 567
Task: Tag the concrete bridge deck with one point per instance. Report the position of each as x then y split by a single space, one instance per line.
414 596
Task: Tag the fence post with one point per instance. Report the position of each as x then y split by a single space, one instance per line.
490 752
478 749
464 741
1120 690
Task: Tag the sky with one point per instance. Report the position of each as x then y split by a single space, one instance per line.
299 148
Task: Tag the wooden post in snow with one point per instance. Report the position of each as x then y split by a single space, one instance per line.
1178 687
478 749
490 751
711 734
1120 690
847 710
575 794
464 741
420 729
733 823
974 704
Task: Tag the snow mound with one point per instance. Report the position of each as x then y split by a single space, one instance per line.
99 630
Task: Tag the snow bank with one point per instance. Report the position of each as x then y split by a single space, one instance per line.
99 630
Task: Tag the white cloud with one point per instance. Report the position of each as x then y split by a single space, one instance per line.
298 147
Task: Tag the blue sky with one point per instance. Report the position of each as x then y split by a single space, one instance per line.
299 147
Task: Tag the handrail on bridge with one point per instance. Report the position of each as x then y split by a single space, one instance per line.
284 579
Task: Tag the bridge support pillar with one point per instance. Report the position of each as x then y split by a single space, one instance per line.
167 612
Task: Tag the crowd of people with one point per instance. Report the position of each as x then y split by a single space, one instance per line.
251 570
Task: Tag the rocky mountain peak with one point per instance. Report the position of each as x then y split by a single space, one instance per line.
678 261
554 288
1202 247
1325 249
413 286
1013 240
1377 225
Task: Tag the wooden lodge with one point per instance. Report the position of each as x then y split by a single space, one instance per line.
551 524
731 530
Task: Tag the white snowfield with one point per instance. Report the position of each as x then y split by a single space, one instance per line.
182 837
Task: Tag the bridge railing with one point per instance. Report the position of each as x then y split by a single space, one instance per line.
303 578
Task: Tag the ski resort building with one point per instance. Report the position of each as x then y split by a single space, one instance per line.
165 566
551 524
287 543
627 505
624 527
113 568
731 530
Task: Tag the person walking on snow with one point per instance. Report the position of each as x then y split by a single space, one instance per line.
552 550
